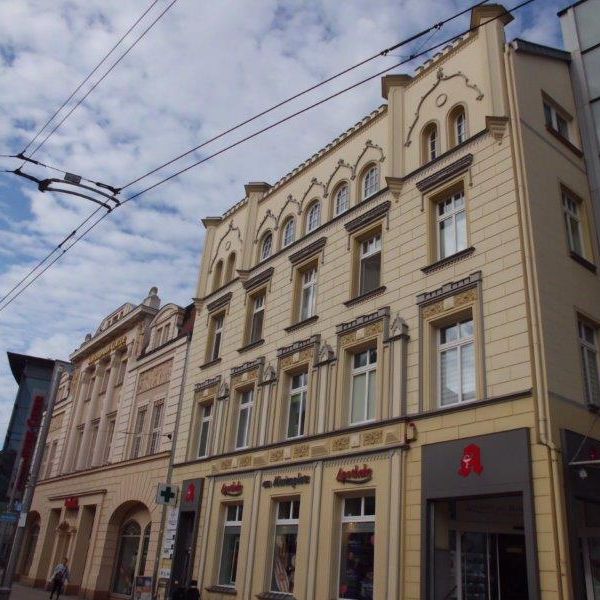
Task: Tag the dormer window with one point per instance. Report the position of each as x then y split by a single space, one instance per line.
313 219
289 233
342 199
266 246
555 120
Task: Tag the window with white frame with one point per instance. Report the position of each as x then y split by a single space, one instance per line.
138 433
342 199
257 318
430 143
78 445
217 336
289 232
204 427
231 544
370 182
242 437
313 219
555 120
92 443
460 127
297 405
266 246
110 432
283 569
572 217
451 225
155 428
370 264
357 548
589 359
308 296
364 373
105 377
121 372
456 363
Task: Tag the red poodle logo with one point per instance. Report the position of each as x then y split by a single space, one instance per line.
471 461
190 493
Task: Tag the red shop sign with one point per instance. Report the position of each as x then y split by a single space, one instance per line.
356 475
72 502
471 461
232 489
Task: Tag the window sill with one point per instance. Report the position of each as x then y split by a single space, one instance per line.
222 589
366 296
448 260
301 324
250 346
275 596
210 363
564 141
590 266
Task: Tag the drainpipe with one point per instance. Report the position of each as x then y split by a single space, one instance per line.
170 467
15 552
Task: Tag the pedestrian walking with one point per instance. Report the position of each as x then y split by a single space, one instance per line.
59 577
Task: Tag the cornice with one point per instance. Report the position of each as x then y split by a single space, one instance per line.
298 346
449 289
445 174
224 300
362 320
308 251
259 279
372 215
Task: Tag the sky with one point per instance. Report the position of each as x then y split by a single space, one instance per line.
203 68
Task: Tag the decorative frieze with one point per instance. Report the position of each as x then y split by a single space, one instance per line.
362 321
370 438
299 346
300 451
207 383
154 377
342 443
449 289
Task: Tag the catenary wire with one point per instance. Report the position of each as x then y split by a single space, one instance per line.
385 52
410 58
42 129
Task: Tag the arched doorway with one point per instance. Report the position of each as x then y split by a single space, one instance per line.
127 558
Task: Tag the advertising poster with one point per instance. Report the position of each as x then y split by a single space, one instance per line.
143 588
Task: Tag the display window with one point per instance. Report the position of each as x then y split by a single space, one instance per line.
283 569
231 545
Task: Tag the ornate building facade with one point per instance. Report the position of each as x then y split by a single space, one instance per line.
107 450
395 353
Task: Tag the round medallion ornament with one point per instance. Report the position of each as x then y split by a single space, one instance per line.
441 100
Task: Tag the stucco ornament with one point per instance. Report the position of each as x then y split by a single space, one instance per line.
223 391
399 326
269 374
326 352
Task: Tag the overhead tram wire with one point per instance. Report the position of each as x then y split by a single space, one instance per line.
433 29
97 83
237 143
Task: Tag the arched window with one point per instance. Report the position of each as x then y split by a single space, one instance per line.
266 246
430 143
313 218
342 199
370 182
289 233
230 270
457 126
125 567
217 275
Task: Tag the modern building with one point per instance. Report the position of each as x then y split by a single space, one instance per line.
107 451
33 375
395 358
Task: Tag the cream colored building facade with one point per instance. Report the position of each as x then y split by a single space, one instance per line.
396 348
107 451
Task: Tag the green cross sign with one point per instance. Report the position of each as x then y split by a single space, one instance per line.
166 494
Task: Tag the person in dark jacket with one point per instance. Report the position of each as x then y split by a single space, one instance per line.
59 577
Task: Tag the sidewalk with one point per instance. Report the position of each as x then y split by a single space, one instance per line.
22 592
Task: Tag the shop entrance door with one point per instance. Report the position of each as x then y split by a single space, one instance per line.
590 549
491 566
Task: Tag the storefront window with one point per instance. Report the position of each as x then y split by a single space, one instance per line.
284 549
145 545
478 549
129 544
357 548
231 545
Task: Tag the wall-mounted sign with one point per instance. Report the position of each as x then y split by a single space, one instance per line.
356 475
292 481
166 494
114 345
72 502
470 461
232 489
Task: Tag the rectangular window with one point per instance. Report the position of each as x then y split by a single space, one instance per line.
456 363
283 569
297 405
257 318
364 370
138 433
90 387
357 548
92 444
451 225
156 426
216 336
165 335
308 296
121 373
51 459
231 545
589 359
556 121
105 377
78 443
370 264
206 411
242 438
110 432
572 216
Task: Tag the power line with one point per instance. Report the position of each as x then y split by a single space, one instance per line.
97 83
237 143
384 52
42 129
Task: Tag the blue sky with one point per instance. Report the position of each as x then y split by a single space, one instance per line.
204 67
